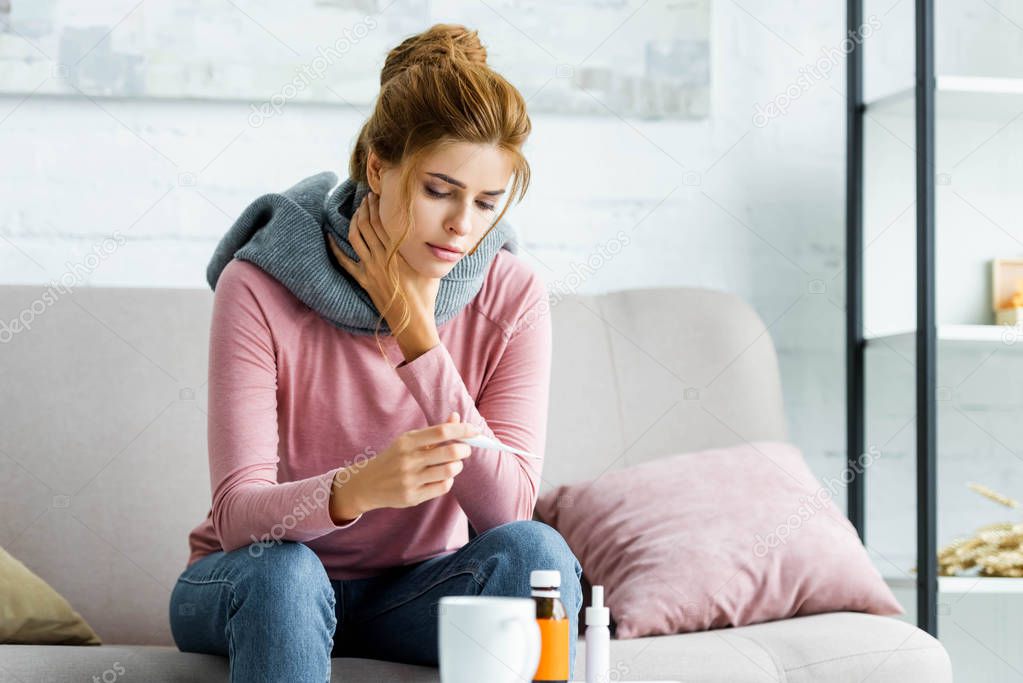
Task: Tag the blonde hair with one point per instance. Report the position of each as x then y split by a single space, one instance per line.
437 89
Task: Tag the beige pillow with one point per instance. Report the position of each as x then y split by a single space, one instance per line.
32 613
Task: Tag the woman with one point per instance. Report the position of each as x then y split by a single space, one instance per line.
341 500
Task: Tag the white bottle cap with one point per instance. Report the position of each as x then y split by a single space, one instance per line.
545 578
597 614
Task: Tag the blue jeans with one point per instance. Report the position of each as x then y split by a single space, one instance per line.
272 610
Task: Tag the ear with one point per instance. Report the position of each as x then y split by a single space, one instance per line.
374 169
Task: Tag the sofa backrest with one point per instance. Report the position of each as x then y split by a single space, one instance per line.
103 463
643 373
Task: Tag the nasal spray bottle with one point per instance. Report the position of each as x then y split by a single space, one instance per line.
598 639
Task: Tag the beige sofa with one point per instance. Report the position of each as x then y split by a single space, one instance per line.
104 471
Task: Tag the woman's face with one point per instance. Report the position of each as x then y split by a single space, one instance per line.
456 197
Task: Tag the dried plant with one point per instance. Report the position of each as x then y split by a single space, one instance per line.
988 493
993 550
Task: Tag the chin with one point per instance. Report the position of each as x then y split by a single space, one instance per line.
442 270
433 269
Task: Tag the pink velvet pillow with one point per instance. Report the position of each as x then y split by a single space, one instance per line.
721 537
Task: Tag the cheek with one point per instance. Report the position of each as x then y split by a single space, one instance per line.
427 214
393 218
483 223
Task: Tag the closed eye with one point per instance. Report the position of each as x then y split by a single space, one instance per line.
441 195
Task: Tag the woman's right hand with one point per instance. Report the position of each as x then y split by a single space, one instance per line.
416 467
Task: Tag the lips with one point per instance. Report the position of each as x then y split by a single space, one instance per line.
453 250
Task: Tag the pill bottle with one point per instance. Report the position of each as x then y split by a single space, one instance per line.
552 618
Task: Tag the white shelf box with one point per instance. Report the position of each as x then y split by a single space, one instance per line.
961 97
990 336
961 585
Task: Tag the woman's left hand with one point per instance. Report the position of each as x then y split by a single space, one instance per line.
371 242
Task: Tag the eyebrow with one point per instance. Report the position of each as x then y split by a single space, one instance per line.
459 183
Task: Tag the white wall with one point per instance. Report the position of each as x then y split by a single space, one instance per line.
722 203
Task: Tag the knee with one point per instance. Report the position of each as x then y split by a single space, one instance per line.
286 571
526 545
539 542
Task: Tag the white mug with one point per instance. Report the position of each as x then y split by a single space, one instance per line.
488 638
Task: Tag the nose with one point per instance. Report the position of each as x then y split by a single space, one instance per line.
460 222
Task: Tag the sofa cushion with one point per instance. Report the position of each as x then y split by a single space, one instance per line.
837 647
716 538
160 664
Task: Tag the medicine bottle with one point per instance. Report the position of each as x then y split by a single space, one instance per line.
552 618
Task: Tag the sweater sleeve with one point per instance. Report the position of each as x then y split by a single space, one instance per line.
249 504
494 487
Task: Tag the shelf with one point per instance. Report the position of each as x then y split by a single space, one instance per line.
1007 336
959 96
963 584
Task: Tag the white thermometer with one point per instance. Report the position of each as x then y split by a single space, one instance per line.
482 441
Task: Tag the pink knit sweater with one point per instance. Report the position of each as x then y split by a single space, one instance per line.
292 399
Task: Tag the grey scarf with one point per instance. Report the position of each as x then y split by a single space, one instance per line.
285 234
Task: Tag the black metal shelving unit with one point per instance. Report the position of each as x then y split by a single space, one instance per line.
926 330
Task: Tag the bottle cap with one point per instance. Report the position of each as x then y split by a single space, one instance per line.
597 614
545 578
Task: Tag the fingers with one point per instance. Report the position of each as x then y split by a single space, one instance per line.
449 452
373 232
429 436
364 231
453 417
353 267
355 234
439 488
438 473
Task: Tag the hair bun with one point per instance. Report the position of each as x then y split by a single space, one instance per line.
439 44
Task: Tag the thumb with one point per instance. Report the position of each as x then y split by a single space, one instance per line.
454 417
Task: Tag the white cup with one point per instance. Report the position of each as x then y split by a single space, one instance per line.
488 638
